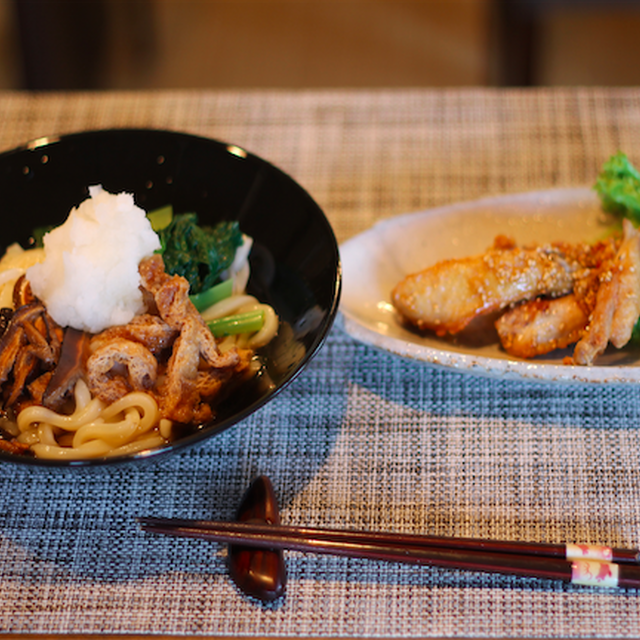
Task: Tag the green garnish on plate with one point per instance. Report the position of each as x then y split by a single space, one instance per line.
618 186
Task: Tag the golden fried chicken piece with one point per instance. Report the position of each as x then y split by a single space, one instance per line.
542 325
210 383
124 358
617 306
446 297
539 326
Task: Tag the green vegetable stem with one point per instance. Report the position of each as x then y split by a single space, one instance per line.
160 218
249 322
215 294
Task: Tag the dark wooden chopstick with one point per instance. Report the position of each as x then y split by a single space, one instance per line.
488 556
572 551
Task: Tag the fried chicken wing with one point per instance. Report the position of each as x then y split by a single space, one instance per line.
617 306
540 326
446 297
627 309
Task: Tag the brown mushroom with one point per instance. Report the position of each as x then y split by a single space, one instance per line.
30 344
71 368
22 293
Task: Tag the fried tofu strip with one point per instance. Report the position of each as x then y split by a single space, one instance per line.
617 306
151 331
446 297
196 365
135 365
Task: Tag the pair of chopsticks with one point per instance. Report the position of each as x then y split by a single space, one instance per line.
576 564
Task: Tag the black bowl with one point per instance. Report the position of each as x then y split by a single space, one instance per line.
295 264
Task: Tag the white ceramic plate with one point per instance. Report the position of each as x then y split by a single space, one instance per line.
374 261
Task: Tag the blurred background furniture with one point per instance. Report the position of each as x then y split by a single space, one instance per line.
155 44
527 31
69 44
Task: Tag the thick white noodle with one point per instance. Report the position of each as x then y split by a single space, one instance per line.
228 307
151 442
165 428
269 328
93 449
45 434
244 304
35 415
94 429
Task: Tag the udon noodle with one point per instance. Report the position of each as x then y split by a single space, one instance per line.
94 429
244 303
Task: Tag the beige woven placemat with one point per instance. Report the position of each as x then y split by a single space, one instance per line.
362 438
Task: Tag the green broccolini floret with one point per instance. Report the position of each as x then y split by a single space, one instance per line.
199 254
618 186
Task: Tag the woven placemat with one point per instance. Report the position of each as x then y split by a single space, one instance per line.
361 439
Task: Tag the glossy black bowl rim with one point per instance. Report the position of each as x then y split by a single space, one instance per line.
208 432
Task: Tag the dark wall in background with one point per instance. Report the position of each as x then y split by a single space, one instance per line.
150 44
